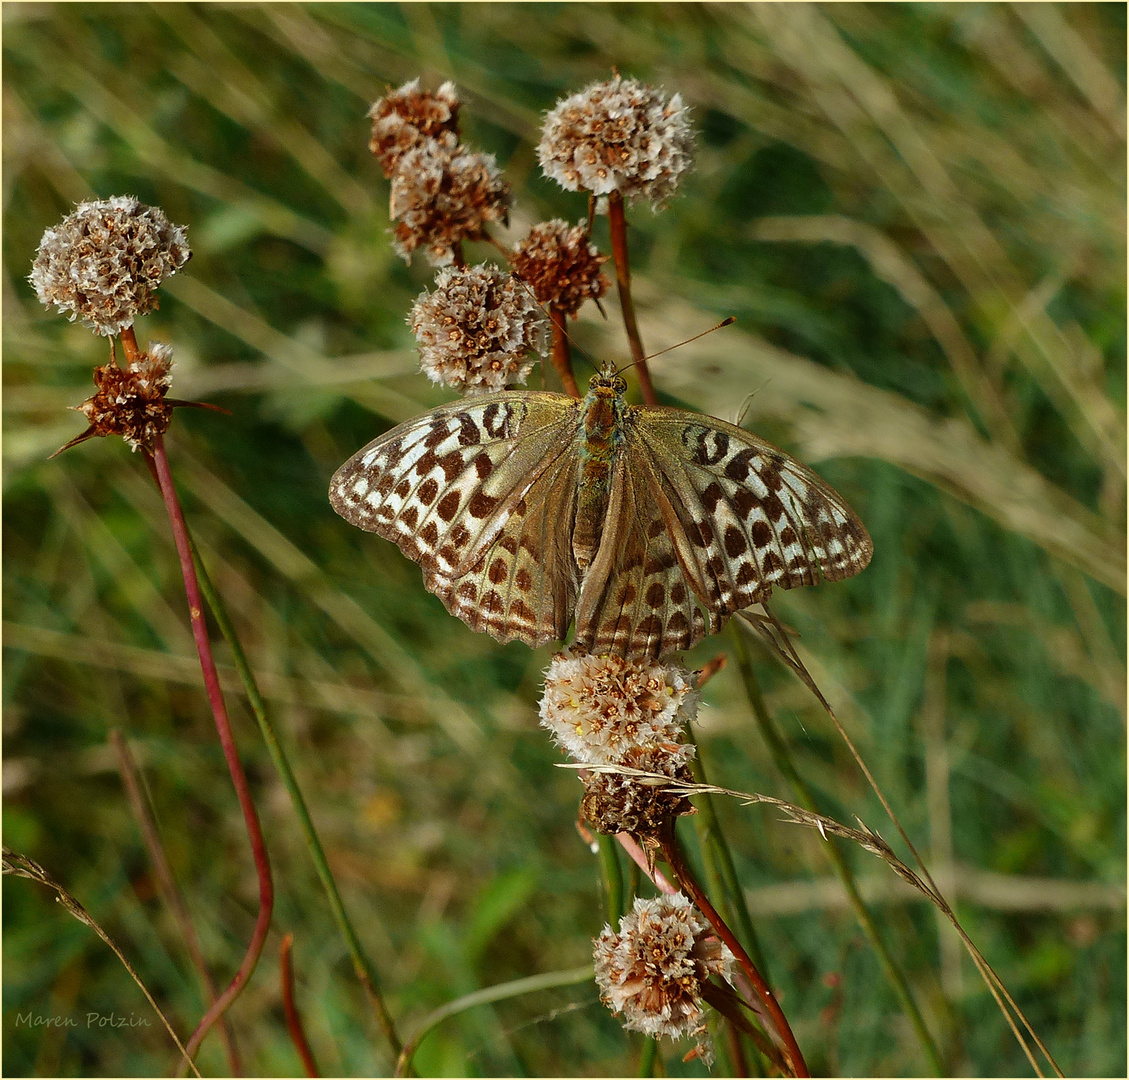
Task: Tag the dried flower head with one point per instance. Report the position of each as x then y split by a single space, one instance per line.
131 403
404 118
441 196
652 971
561 265
615 803
600 707
103 262
477 328
619 135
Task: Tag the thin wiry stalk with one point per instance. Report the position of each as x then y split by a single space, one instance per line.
293 1017
784 763
562 354
227 741
668 844
617 223
502 992
167 884
363 967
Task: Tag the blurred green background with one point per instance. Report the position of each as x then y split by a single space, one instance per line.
916 212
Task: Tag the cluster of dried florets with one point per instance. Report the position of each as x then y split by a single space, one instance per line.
131 402
442 193
619 135
103 262
561 265
652 971
405 118
605 710
476 329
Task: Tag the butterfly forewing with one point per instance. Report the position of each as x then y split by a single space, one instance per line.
476 491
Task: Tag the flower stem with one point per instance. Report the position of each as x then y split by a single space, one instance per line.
227 741
362 966
668 843
562 355
617 223
293 1018
129 345
613 879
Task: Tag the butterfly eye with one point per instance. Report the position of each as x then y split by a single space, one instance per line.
619 384
594 382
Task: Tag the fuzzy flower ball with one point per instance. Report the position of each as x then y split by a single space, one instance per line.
103 262
442 195
131 403
476 329
600 707
561 265
404 118
619 135
652 971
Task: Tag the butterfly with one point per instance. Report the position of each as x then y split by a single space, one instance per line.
646 527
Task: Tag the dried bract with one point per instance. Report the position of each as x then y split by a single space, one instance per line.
561 265
477 328
131 403
598 708
103 262
404 118
441 196
652 971
619 135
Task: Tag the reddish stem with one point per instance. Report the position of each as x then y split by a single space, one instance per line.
670 849
562 355
227 741
639 857
617 223
293 1020
129 345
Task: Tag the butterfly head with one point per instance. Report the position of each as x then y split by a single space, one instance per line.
606 380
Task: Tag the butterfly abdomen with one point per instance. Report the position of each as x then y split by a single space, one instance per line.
599 438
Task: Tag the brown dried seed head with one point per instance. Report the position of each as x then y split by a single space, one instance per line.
103 262
598 708
652 971
404 118
442 195
131 403
561 265
619 135
613 803
477 328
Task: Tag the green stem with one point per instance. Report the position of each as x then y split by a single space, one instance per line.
649 1057
802 795
613 879
362 966
718 859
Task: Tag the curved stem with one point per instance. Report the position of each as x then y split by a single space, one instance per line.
673 854
227 740
617 223
363 967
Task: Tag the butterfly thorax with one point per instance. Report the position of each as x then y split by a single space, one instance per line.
599 437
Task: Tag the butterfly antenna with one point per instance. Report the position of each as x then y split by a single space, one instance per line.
724 322
549 315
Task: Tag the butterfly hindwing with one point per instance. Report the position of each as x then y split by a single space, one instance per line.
635 599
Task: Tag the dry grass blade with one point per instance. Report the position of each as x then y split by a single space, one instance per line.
773 634
21 866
